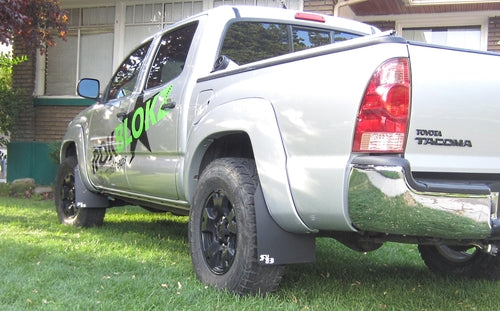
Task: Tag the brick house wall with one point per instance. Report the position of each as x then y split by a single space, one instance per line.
320 6
31 151
326 7
23 77
51 121
494 34
37 123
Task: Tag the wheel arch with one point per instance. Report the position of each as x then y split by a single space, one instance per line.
68 149
73 145
230 144
244 128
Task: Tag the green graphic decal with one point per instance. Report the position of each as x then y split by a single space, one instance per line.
136 124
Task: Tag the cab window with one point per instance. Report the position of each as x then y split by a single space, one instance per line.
171 55
251 41
123 82
247 42
306 38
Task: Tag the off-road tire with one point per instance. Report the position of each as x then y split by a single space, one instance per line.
222 230
462 261
67 211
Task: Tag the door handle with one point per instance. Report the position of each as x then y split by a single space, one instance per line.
170 104
121 115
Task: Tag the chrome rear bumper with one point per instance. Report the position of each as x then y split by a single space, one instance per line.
384 197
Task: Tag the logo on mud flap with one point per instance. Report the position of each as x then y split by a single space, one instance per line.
268 260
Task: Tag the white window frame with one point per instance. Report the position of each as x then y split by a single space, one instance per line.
479 18
445 20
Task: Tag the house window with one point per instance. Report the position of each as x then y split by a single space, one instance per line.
290 4
143 20
468 37
91 47
267 3
86 53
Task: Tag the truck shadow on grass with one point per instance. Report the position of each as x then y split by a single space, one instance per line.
392 277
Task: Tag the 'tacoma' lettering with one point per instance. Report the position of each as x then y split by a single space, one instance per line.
443 142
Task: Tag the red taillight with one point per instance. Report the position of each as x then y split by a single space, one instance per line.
383 116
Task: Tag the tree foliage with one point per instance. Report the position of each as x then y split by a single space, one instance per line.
10 98
35 22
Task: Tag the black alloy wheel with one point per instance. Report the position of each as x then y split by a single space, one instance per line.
218 232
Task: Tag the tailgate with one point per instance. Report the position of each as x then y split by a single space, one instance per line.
455 111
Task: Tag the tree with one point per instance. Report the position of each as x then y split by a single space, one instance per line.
10 103
34 22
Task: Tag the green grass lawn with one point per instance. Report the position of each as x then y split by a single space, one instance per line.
140 261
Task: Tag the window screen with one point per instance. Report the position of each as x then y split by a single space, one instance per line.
460 37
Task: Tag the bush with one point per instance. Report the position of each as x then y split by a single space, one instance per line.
54 148
22 188
26 188
4 190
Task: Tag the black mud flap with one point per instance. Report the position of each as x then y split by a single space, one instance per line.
276 246
85 198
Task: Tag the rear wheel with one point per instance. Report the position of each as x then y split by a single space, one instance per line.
222 230
469 261
67 211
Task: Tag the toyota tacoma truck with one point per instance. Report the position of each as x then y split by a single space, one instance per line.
271 127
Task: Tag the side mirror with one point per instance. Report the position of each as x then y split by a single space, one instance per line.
88 88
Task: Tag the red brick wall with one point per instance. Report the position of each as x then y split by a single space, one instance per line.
51 121
37 123
494 34
23 76
320 6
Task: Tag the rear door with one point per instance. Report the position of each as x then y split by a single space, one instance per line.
154 149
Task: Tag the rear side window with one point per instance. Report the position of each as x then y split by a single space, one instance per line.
247 42
171 55
305 38
251 41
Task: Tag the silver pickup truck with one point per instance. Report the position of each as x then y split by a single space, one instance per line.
270 128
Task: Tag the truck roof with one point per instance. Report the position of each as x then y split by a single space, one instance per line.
276 14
